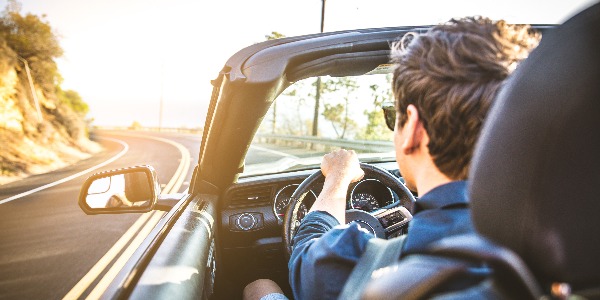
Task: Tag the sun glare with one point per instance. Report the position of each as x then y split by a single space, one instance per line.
123 57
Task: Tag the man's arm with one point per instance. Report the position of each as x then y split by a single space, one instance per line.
320 252
324 255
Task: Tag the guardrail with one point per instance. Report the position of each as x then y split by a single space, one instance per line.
309 142
327 143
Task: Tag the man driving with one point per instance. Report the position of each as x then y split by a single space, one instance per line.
444 82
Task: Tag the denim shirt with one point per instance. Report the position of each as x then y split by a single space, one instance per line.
325 252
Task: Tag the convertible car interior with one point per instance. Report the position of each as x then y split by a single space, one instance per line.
533 180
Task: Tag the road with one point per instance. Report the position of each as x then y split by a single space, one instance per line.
48 243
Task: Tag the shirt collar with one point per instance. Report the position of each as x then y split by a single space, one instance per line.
449 194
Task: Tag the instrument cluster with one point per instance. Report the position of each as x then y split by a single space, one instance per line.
282 201
370 195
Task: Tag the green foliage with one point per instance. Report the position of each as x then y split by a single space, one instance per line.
376 128
73 100
274 35
32 38
344 85
350 108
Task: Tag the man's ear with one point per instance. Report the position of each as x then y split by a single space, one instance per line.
412 130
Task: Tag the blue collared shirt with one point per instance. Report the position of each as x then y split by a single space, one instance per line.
325 252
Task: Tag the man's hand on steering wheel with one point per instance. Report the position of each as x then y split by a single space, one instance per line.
340 168
342 163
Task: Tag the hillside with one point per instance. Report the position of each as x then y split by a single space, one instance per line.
42 133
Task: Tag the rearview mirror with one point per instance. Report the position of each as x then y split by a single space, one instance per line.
134 189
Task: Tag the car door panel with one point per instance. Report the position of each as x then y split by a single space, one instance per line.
183 265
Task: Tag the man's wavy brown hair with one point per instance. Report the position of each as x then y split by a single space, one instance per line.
451 74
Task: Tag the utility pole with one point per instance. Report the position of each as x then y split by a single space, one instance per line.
318 83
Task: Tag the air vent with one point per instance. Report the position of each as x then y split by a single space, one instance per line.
250 196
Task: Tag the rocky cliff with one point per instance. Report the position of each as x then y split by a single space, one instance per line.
35 136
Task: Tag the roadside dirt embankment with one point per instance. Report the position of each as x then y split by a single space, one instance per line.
35 140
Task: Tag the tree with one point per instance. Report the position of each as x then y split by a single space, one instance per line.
32 38
376 128
73 100
274 35
337 114
135 125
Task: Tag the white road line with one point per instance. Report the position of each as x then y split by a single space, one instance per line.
182 176
272 151
176 182
172 187
125 149
183 164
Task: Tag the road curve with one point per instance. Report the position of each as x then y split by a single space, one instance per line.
48 243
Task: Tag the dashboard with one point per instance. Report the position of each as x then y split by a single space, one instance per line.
251 219
254 207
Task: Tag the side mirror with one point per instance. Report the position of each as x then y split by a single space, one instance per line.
133 189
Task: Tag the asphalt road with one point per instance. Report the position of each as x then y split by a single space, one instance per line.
47 244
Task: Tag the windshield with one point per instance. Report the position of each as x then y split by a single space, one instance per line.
349 116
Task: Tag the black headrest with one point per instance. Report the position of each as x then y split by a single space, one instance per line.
535 178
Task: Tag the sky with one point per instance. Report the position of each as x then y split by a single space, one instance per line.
124 56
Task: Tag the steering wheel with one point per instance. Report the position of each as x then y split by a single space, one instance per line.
378 221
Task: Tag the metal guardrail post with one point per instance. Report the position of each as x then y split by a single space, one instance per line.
360 145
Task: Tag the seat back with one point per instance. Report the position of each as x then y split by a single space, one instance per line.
535 176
